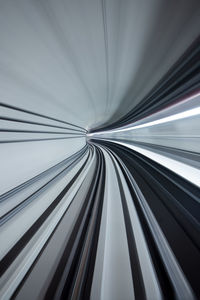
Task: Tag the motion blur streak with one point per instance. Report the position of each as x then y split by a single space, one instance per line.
100 149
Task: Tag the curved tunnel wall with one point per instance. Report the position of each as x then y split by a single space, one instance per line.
99 149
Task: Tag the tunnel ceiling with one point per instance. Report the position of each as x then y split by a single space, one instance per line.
90 62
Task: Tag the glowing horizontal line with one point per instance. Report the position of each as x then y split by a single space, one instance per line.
186 114
182 115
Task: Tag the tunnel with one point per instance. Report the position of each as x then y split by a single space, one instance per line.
100 149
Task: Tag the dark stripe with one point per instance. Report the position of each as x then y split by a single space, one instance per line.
87 276
22 242
166 286
33 123
38 140
182 80
69 260
41 131
138 282
39 115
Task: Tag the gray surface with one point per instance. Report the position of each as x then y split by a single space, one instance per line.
91 61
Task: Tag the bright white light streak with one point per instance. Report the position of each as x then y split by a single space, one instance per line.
182 115
186 114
